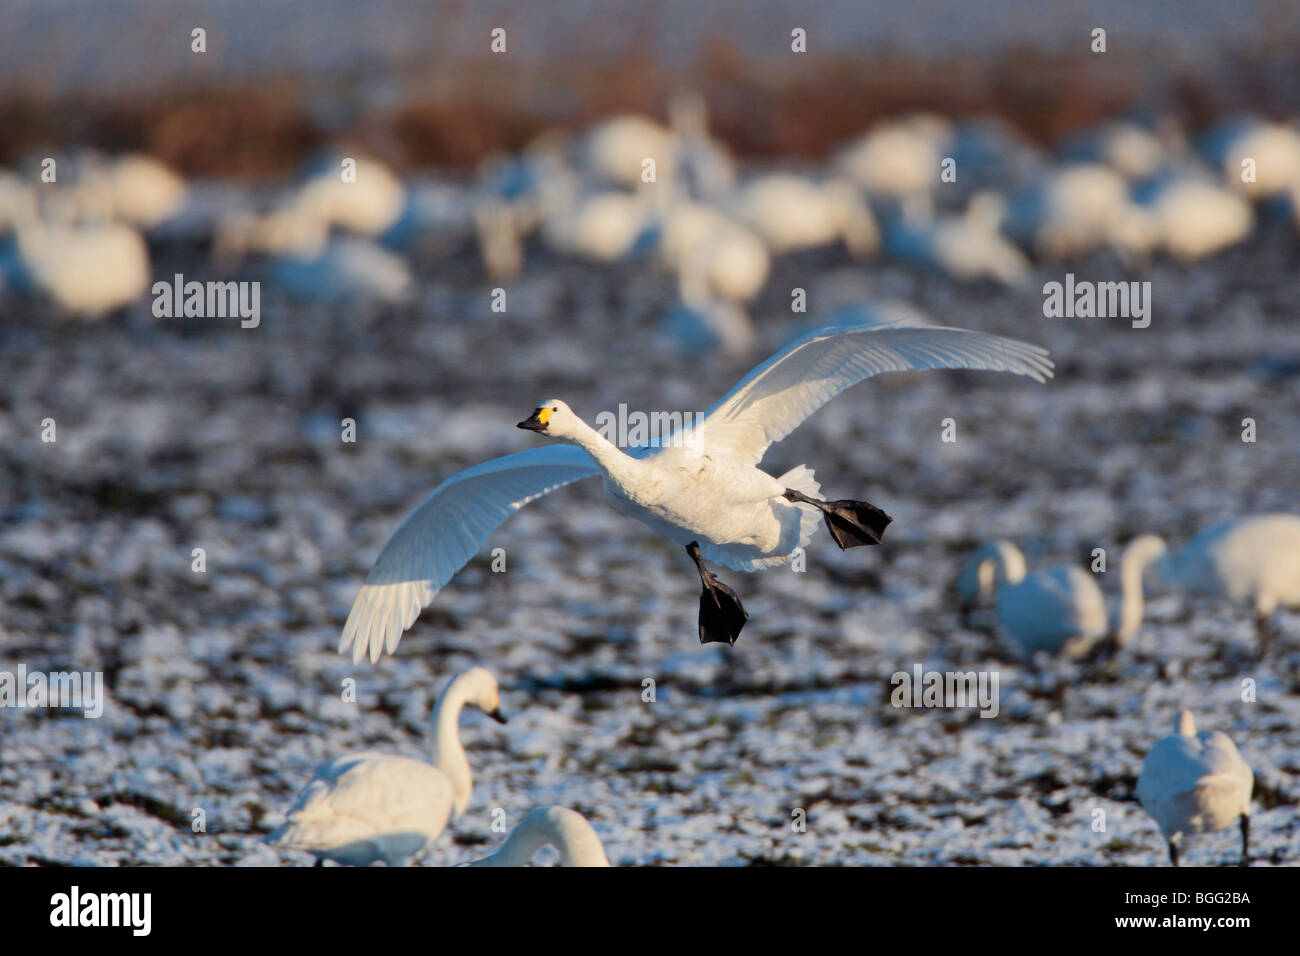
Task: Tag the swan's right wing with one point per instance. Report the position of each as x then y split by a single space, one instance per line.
775 397
443 533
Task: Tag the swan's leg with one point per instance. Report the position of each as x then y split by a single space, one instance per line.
1264 630
1245 840
851 523
1173 852
721 613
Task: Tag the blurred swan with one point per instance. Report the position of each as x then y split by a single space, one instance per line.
85 270
1274 148
372 806
791 212
369 205
1196 783
615 149
1132 150
1077 210
899 157
345 269
700 487
1059 609
727 259
308 262
1193 217
567 831
700 322
1255 559
966 248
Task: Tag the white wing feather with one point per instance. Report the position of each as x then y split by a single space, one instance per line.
443 533
773 399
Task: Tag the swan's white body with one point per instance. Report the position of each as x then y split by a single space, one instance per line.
1253 560
967 247
898 158
86 270
566 830
1194 783
792 213
704 487
1077 209
369 807
367 205
1060 609
1195 218
726 257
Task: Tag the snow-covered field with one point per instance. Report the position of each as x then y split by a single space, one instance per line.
225 690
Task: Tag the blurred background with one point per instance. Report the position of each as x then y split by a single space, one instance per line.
775 172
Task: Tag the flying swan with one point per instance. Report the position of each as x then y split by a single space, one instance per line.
700 488
371 806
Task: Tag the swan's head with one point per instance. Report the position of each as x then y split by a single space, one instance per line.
553 419
478 688
1144 550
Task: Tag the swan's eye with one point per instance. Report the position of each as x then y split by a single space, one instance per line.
555 408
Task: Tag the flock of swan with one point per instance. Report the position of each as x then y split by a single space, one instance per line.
970 199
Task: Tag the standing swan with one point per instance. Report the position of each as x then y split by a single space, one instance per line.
566 830
700 487
1254 559
1196 783
373 806
1058 609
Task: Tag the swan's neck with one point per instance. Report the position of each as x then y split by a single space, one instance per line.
610 459
448 753
536 831
1129 620
1008 562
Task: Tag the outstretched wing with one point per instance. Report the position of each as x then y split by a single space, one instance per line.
773 399
440 536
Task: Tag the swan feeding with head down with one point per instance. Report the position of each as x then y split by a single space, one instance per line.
701 488
366 807
566 830
1196 783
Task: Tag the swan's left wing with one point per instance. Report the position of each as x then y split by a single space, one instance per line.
440 536
773 399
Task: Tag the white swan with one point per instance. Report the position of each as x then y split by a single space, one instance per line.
1059 609
704 490
371 806
1194 217
567 831
86 270
899 157
1078 209
791 212
966 247
1254 559
728 258
1196 783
